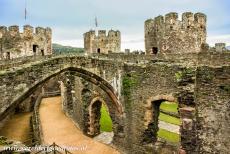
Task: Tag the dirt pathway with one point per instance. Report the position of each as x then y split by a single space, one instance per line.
58 128
17 128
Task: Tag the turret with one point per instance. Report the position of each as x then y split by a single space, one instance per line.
14 30
89 35
167 34
114 34
111 33
103 42
171 21
3 30
200 21
102 33
159 21
159 25
200 24
188 20
118 33
220 47
88 41
149 26
28 31
40 31
48 32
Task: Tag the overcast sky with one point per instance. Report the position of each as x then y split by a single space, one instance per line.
69 19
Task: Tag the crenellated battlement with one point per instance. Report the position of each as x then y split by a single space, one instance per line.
103 33
102 42
27 30
162 31
29 41
171 21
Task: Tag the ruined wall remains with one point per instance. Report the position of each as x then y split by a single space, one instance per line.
220 47
167 34
213 108
200 89
102 43
14 44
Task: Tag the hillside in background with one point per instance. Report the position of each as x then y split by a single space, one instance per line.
228 47
57 48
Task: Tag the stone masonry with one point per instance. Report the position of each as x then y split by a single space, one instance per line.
14 44
143 82
102 43
133 86
167 34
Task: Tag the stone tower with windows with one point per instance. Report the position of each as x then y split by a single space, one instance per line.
102 43
14 44
167 34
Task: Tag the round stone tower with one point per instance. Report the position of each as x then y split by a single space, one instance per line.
169 35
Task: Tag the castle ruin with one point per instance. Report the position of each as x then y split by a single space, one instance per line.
132 86
14 44
102 43
170 35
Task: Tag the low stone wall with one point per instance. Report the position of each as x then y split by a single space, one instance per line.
36 123
35 119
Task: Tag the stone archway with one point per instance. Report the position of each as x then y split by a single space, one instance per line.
153 120
149 106
95 115
80 72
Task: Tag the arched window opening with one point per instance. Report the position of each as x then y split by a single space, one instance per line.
100 120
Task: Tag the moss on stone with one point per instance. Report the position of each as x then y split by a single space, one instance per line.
3 141
128 82
185 74
179 75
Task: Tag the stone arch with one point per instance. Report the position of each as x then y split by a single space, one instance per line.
83 73
151 116
94 116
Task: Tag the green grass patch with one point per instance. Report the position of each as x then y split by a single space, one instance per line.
169 107
169 119
3 142
169 136
105 120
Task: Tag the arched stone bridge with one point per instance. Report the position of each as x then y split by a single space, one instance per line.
130 86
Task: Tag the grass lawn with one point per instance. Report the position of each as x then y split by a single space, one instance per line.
169 119
169 106
105 120
169 136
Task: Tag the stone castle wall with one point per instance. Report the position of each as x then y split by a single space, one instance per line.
202 92
14 44
167 34
102 43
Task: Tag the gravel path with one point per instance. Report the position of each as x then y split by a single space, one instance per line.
169 127
17 128
58 128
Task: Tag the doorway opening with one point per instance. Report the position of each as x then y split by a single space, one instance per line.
35 49
8 55
154 50
100 120
163 124
42 52
98 50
